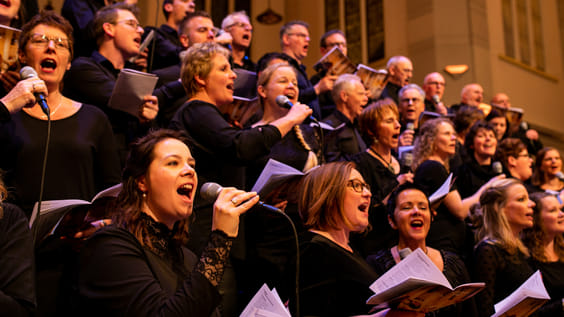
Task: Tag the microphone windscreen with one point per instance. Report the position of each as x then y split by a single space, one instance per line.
210 191
27 72
407 159
282 100
403 253
524 125
436 99
410 126
497 167
560 176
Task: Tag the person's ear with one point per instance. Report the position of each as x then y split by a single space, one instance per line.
200 81
21 57
261 91
168 7
142 184
511 161
392 223
184 41
109 29
344 96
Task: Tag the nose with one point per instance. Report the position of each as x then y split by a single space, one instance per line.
188 170
232 74
51 44
531 204
366 191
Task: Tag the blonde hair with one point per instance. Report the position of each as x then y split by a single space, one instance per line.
197 61
266 75
495 224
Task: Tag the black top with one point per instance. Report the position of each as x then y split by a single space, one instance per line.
345 141
382 182
17 277
391 91
248 64
333 281
307 91
501 271
471 176
92 79
453 269
553 278
82 157
447 232
166 46
119 277
221 151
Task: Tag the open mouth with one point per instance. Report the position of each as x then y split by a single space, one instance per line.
185 190
48 64
246 36
363 207
416 223
230 86
5 3
395 136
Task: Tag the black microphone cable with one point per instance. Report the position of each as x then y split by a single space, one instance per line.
42 182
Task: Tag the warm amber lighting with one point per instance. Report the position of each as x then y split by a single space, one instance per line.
455 70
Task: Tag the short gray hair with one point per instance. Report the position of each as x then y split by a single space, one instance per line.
344 82
412 86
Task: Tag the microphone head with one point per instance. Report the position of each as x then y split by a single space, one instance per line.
497 167
282 101
27 72
436 99
210 191
560 175
524 125
403 253
410 126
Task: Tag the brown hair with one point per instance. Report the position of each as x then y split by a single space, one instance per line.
49 18
130 198
322 193
198 62
538 175
109 14
534 237
371 117
508 147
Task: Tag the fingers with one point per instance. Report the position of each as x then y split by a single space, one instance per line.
150 108
230 204
241 201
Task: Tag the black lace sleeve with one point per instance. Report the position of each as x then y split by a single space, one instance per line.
213 259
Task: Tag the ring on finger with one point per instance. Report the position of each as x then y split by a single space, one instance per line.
33 87
234 202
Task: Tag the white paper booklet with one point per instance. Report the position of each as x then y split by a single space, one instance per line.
130 88
265 303
525 300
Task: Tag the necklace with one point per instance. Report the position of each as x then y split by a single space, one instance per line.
51 113
389 165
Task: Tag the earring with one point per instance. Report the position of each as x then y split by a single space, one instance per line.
144 194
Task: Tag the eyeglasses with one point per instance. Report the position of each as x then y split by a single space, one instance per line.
436 83
357 185
42 40
242 25
131 22
302 35
205 29
410 99
527 155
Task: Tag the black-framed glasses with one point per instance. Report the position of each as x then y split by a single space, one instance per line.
42 40
357 185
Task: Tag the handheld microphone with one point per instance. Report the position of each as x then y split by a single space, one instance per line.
524 125
497 168
284 102
28 72
410 126
560 176
403 253
210 191
436 99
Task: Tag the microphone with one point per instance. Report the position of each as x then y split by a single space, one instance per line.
28 72
403 253
560 176
410 126
497 168
284 102
436 99
210 191
524 125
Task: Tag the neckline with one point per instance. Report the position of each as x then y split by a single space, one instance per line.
389 165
